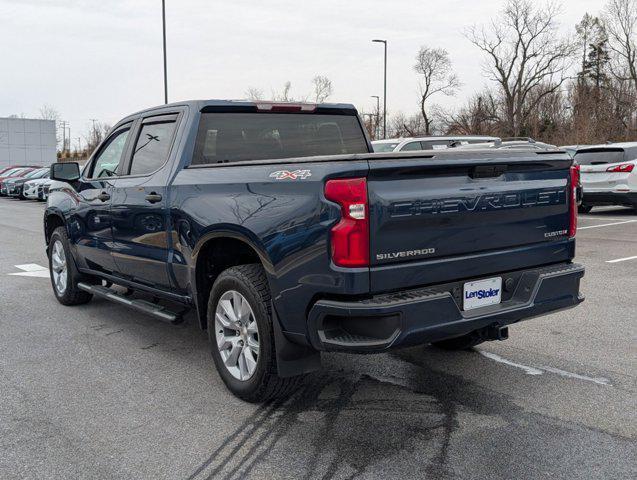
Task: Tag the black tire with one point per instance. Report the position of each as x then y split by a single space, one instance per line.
264 384
71 295
584 208
465 342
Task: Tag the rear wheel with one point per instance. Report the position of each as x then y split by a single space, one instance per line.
584 208
460 343
64 275
241 335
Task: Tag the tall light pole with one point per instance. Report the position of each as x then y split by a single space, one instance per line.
377 115
163 22
384 42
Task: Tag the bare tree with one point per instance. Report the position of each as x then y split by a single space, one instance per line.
523 52
401 125
47 112
435 69
321 88
479 116
254 93
284 96
621 23
95 135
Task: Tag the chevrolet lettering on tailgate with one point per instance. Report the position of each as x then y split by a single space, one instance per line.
485 202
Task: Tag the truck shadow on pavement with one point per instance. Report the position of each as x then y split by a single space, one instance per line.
395 417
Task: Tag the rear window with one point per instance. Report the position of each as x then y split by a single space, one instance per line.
384 147
599 156
235 137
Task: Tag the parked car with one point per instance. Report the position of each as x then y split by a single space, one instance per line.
288 237
429 143
15 185
31 186
4 170
16 173
43 190
609 175
525 143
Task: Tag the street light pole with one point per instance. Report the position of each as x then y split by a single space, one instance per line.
384 42
163 21
377 115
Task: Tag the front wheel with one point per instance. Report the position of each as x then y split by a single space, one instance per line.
241 335
64 275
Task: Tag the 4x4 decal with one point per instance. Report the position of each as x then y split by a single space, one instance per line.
287 175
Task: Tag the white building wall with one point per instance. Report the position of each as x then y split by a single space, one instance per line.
26 141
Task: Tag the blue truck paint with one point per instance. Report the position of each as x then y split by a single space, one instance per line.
458 222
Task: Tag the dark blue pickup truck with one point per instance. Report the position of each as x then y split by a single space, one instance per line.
288 237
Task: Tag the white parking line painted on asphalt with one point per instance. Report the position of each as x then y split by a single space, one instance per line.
542 369
498 358
564 373
602 219
31 270
606 224
621 259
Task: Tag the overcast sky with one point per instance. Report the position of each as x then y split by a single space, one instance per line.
103 59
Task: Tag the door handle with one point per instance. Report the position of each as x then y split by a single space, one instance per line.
104 196
153 197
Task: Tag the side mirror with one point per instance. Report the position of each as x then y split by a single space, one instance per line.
65 172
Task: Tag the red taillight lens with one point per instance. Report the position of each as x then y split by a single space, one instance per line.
572 228
623 168
350 236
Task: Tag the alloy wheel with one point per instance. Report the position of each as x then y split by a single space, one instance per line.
59 267
237 335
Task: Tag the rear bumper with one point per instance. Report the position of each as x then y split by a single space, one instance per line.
430 314
610 198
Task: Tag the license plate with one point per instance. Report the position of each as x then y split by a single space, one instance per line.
482 293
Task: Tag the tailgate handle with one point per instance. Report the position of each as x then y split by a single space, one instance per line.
487 171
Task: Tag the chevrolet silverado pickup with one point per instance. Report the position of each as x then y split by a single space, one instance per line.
277 225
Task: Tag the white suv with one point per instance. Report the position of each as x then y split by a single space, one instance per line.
431 143
608 175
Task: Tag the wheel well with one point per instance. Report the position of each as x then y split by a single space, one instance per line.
215 256
52 222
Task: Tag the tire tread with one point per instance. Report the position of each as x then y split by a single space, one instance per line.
73 295
272 386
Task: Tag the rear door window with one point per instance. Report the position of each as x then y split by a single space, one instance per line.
411 147
153 146
234 137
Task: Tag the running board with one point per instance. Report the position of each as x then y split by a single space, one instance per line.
157 311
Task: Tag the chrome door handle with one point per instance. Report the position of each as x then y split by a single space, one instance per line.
153 197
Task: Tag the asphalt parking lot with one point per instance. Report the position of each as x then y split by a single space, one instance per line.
98 391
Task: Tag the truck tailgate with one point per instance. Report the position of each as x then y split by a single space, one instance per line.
453 217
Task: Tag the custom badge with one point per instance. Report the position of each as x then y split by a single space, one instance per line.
287 175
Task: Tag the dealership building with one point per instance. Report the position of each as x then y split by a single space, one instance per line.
27 141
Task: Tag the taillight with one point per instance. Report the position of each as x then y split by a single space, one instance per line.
623 168
572 227
350 236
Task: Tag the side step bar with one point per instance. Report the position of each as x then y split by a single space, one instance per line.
157 311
